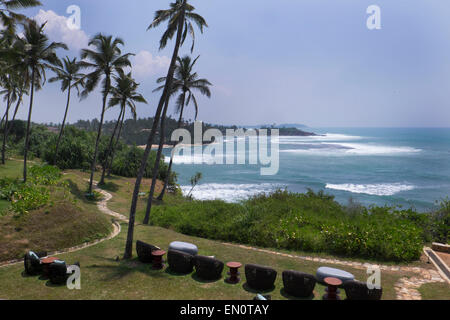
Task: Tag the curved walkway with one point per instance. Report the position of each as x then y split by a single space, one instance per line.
102 206
405 288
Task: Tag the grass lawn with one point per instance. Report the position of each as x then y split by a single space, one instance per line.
68 220
104 278
435 291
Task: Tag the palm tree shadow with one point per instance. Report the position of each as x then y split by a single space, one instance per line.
109 186
247 288
290 297
125 268
73 187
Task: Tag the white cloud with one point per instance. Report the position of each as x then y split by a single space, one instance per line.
57 28
145 64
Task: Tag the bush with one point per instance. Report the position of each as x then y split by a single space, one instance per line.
311 222
75 150
44 175
33 194
128 161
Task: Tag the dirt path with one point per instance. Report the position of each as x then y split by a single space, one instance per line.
406 288
102 206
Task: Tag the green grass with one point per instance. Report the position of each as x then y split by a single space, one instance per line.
66 220
104 278
435 291
12 169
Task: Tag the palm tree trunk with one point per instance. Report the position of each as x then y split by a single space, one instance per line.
99 133
169 170
5 128
129 244
63 124
3 120
8 128
108 151
115 144
17 107
27 135
156 166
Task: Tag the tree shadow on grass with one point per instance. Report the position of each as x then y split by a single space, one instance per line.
109 186
247 288
290 297
125 268
73 187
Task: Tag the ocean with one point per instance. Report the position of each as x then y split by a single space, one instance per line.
383 166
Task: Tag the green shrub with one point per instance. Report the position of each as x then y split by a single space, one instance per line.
29 197
44 175
128 161
311 222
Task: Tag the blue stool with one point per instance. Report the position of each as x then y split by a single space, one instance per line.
184 247
325 272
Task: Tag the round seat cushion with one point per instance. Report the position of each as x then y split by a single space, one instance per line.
184 247
325 272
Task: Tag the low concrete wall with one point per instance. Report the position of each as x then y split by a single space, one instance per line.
440 247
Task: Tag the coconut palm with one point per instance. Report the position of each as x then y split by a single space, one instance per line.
8 17
35 54
70 77
186 81
180 17
105 59
13 80
124 94
8 94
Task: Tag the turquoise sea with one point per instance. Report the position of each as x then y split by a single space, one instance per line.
393 166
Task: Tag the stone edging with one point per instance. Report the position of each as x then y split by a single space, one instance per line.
102 206
405 288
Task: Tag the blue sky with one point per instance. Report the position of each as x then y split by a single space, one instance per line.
276 61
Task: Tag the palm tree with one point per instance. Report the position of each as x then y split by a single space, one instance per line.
8 18
124 93
35 54
180 16
13 80
70 78
11 92
157 163
105 60
6 83
185 81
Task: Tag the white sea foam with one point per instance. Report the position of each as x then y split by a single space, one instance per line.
325 137
382 189
228 192
332 148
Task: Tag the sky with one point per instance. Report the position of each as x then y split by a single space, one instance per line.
313 62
